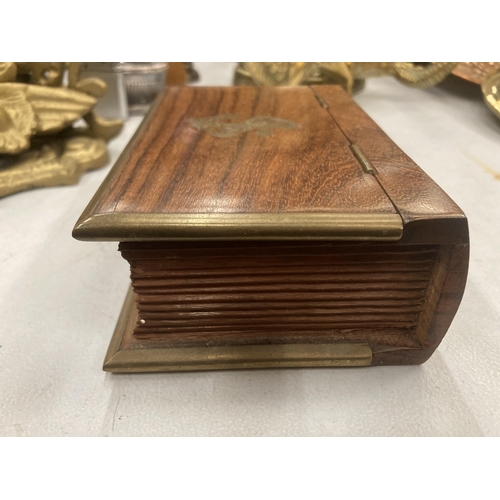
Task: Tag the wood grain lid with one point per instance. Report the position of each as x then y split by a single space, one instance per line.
242 163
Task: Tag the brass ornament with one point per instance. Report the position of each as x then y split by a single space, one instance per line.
351 75
475 72
36 118
8 71
491 92
26 110
294 73
412 74
347 74
58 162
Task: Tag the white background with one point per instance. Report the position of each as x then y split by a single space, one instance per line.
60 299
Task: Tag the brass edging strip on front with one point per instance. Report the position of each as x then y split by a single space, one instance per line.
154 359
239 357
266 226
365 163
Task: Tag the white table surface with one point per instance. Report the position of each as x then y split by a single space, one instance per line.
60 299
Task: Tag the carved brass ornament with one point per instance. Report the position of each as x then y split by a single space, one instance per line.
491 92
475 72
38 144
26 110
58 162
351 75
412 74
227 126
300 73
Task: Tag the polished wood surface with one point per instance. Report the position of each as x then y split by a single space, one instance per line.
398 298
175 168
429 214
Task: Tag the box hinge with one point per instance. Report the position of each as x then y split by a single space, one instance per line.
365 163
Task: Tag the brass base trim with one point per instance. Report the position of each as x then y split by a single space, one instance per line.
155 358
269 226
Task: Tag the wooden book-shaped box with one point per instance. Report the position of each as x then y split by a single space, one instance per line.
275 227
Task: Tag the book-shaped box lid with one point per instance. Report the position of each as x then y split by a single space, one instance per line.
261 163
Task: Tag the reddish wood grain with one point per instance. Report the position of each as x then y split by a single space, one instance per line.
176 168
191 294
399 298
429 214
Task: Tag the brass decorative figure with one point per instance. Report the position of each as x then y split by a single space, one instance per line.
38 145
491 92
347 74
412 74
294 73
26 110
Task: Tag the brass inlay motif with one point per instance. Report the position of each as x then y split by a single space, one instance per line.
226 125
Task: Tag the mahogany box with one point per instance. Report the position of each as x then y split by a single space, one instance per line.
275 227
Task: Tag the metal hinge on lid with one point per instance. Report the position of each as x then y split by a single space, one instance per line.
365 163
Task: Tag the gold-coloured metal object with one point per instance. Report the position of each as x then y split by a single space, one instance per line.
227 126
26 110
294 73
143 358
36 112
57 162
475 72
8 71
237 226
365 163
347 74
41 73
485 74
412 74
491 92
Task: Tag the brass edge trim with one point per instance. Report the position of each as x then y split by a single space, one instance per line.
127 365
86 214
210 357
154 359
269 226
